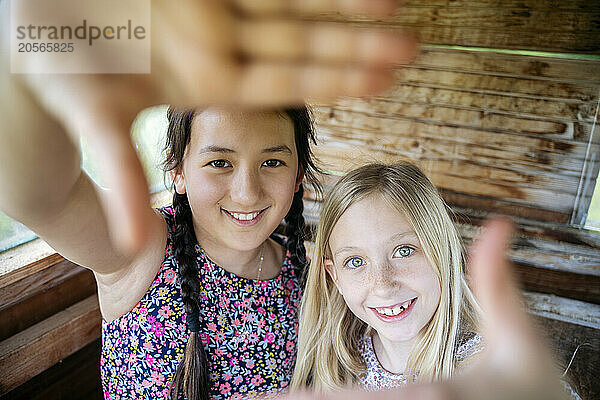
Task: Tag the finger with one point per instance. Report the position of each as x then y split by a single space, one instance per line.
322 42
203 25
125 198
308 7
512 343
273 83
105 122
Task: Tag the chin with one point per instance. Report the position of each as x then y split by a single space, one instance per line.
396 336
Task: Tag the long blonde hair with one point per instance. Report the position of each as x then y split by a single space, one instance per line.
329 334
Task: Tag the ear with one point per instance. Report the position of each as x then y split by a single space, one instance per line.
178 181
330 268
299 179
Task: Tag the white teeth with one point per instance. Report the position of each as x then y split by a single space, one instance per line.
245 217
393 311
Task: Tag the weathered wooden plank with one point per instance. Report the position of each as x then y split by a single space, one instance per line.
39 296
455 175
527 26
553 315
548 254
77 377
357 119
478 117
14 270
560 283
37 348
494 84
573 120
499 206
571 5
562 309
390 138
583 72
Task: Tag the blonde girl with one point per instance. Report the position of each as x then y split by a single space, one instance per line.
386 299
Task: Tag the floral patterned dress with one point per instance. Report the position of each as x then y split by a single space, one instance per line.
378 378
248 328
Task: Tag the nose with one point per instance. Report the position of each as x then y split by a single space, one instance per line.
383 278
245 187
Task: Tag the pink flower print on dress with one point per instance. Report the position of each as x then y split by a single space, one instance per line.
170 276
250 364
237 380
225 388
165 312
204 338
224 302
148 346
212 326
219 336
157 378
158 329
270 337
246 303
149 359
257 380
289 346
253 338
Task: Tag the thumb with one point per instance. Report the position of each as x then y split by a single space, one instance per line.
125 195
512 345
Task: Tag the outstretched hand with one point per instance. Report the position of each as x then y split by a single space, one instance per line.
514 365
236 52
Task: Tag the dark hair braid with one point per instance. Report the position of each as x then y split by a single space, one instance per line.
192 372
294 230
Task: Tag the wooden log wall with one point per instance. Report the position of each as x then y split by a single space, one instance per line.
497 132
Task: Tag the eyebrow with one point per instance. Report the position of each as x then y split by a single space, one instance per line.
397 236
215 149
345 249
218 149
278 149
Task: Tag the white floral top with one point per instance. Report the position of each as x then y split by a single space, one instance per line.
378 378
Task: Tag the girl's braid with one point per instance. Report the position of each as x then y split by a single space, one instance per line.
192 373
294 231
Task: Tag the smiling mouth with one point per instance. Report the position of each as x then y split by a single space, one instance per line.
245 218
395 311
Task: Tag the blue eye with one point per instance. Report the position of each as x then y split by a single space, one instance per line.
273 163
219 164
354 262
403 251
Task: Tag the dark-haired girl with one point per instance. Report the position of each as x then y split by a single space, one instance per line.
219 318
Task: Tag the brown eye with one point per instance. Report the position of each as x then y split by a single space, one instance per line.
219 164
272 163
